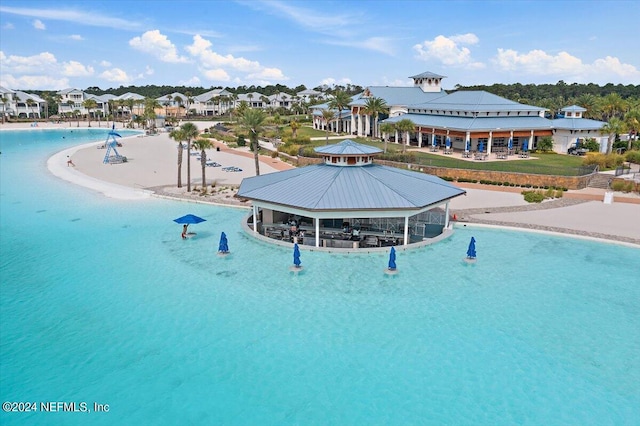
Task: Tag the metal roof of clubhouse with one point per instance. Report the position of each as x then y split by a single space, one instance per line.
329 187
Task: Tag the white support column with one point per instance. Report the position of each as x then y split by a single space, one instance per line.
255 218
530 142
446 216
396 136
367 125
317 219
489 142
406 230
433 139
419 138
406 138
353 123
360 125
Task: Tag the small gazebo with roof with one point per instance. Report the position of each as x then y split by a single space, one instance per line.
348 187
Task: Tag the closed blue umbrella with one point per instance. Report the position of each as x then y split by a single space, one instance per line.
296 255
525 145
448 142
433 141
471 251
481 146
392 259
510 143
577 143
468 146
223 247
189 219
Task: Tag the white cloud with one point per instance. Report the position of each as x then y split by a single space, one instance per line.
193 81
537 62
8 26
116 75
76 69
39 82
158 45
330 81
105 63
565 66
82 18
76 37
148 70
42 62
217 74
39 25
376 44
449 51
214 66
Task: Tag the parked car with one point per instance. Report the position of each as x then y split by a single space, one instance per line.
577 150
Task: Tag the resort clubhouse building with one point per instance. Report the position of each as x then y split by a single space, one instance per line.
469 119
349 202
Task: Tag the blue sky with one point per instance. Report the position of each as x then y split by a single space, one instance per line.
48 45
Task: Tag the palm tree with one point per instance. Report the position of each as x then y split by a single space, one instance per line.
5 101
405 126
180 102
190 132
374 107
250 97
252 121
150 106
327 116
166 105
294 128
70 104
203 144
17 100
612 105
178 136
90 104
30 104
632 120
339 102
76 114
189 102
277 120
614 127
387 128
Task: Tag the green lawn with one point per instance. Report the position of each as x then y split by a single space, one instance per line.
542 163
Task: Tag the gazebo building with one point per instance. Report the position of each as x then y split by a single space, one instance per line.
347 201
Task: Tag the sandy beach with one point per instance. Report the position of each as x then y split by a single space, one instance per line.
151 170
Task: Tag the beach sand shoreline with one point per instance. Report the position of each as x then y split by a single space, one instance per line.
151 170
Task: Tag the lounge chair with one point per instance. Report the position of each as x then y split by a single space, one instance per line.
371 241
211 163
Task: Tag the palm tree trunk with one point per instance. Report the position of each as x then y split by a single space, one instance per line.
180 165
256 158
203 163
188 165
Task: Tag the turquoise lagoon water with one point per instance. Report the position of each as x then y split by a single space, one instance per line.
101 301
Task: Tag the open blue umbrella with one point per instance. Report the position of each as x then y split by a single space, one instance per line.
448 142
296 255
510 146
223 247
392 259
471 251
189 219
481 146
525 145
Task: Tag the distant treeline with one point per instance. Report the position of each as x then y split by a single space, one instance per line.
532 93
